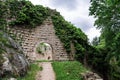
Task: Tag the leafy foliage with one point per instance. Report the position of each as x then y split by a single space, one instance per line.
2 28
68 34
22 13
107 14
95 41
25 13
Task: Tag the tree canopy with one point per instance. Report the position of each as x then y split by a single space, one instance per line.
107 14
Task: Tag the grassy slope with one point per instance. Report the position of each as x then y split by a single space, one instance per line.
34 68
68 70
32 72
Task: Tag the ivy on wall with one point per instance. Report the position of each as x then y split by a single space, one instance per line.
22 13
68 34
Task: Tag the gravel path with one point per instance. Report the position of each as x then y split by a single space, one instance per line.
47 73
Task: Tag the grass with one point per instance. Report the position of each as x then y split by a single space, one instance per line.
44 60
31 73
68 70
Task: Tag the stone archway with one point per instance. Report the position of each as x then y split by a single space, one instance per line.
44 51
30 38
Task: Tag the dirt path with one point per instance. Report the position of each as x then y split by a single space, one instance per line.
47 73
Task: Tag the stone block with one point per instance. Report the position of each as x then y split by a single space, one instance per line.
43 33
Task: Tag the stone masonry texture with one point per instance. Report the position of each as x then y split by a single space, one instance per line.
30 38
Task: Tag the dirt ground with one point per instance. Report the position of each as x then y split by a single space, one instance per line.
47 73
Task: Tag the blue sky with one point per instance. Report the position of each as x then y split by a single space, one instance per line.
74 11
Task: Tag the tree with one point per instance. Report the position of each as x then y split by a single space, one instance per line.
107 14
95 41
107 17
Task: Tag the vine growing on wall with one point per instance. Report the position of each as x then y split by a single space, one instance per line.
21 13
68 34
24 13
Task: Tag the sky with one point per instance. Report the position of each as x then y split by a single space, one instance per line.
74 11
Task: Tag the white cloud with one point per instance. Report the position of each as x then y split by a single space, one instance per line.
35 1
77 15
92 32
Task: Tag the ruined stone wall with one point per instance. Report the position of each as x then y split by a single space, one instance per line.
30 38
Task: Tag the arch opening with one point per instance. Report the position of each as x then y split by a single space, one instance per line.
45 51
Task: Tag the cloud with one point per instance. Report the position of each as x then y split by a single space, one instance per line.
35 1
92 32
74 11
84 25
68 4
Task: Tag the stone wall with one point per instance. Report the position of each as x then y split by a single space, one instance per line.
30 38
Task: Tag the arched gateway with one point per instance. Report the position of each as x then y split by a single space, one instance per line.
44 51
45 33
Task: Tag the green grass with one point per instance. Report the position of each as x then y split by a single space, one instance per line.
68 70
34 68
44 61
